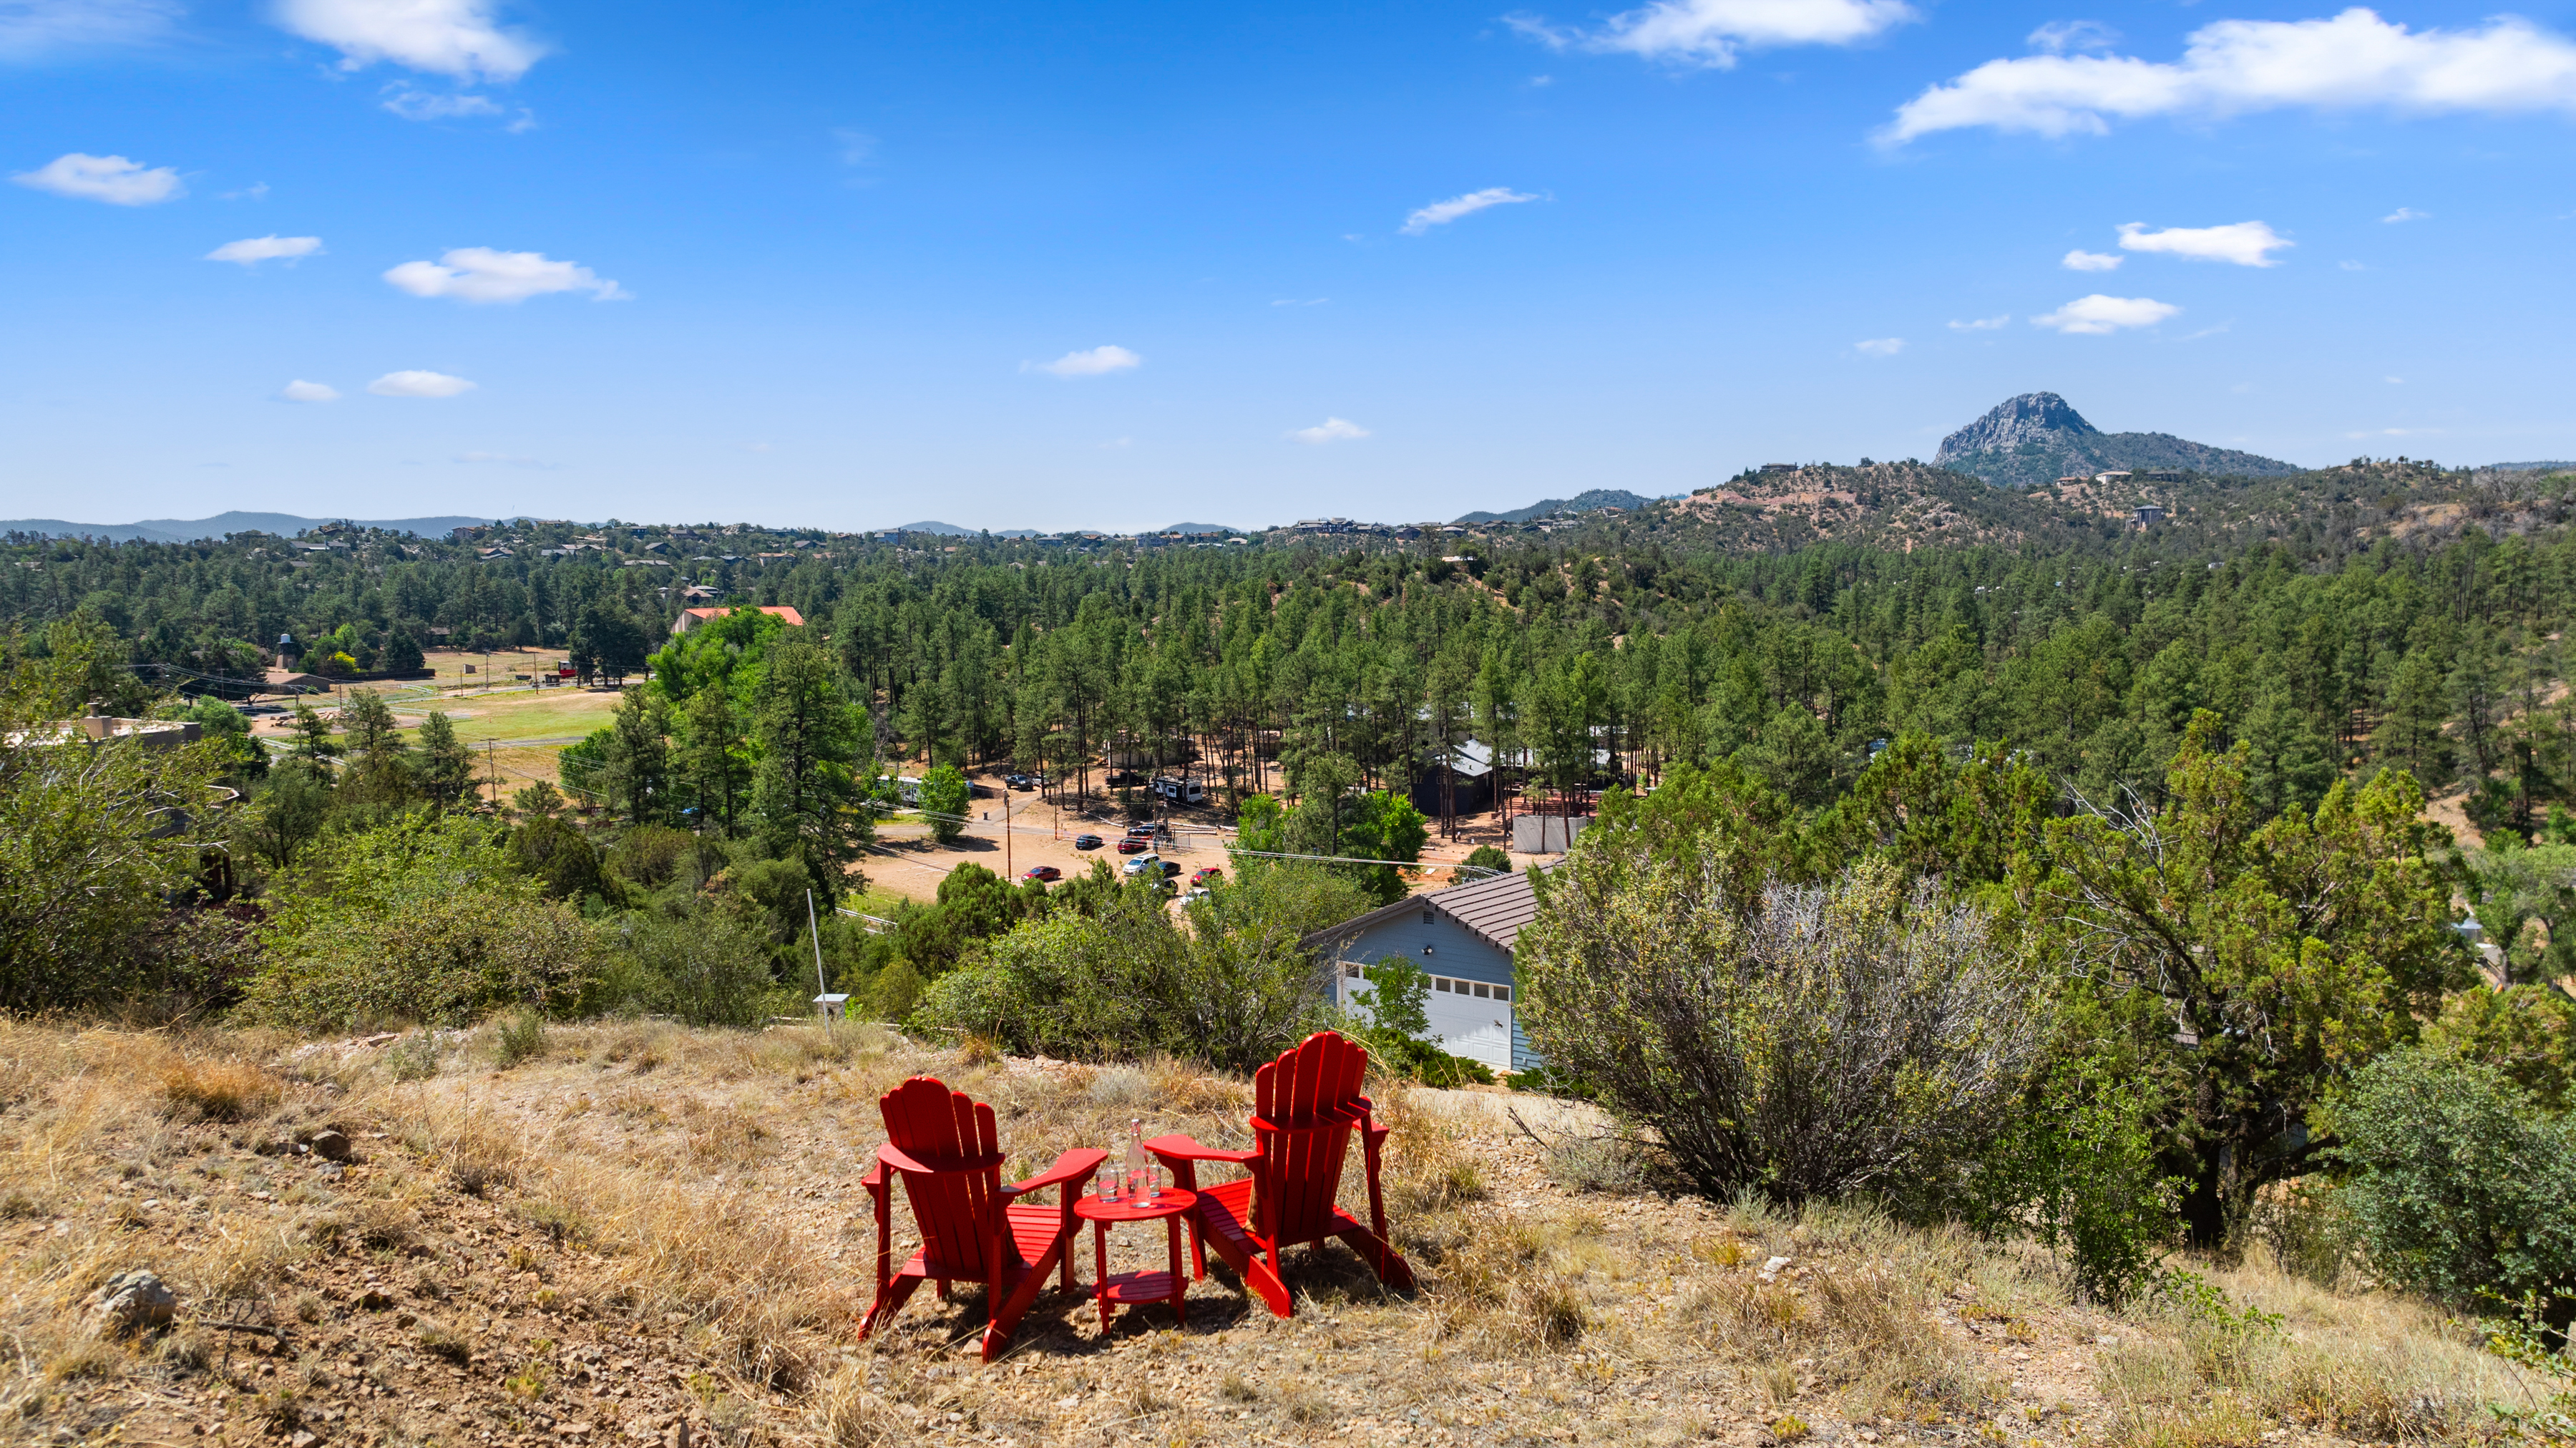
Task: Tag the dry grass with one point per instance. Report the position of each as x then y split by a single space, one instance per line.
221 1090
645 1226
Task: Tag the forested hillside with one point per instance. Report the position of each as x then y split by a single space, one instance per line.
2380 613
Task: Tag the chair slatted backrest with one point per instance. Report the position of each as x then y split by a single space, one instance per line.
1308 1102
953 1135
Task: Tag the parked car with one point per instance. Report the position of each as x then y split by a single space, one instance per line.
1086 842
1198 893
1147 865
1016 781
1042 872
1119 777
1206 873
1170 869
1131 845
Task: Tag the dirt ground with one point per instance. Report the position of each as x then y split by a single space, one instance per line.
645 1235
908 861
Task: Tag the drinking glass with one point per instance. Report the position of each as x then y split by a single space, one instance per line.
1107 1182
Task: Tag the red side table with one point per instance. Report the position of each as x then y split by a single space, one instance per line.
1134 1289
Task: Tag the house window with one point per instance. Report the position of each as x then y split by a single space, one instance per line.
1350 971
1440 982
1426 917
1502 992
1483 991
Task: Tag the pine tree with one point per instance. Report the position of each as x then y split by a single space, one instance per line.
446 769
805 793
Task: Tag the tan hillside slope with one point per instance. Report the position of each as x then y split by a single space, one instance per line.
640 1234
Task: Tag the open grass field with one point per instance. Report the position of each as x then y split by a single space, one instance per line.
636 1233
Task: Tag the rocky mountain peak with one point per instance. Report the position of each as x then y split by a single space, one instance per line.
2031 417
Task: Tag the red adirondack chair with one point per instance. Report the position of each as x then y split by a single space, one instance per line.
972 1229
1306 1105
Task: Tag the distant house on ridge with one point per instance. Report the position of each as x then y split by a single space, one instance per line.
692 617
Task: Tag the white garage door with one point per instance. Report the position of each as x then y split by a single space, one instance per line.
1466 1024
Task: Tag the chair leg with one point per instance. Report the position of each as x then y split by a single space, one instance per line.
1383 1259
890 1300
1007 1311
1266 1282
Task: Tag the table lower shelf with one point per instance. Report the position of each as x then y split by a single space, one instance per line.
1134 1289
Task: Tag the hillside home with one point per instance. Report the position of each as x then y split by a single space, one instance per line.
1462 938
692 617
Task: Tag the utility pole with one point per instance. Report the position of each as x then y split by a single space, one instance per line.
1007 871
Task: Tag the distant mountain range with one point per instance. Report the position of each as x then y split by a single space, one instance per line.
177 530
1583 502
944 530
2037 438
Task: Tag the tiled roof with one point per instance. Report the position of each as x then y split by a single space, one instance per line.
1492 910
1495 909
789 616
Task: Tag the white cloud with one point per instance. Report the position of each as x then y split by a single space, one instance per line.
1441 213
2394 381
2245 243
2231 67
480 274
257 192
2407 213
2352 266
1331 429
2060 36
2080 260
112 179
2097 314
1982 324
1880 346
1294 302
421 105
419 384
300 390
30 28
1715 32
857 148
1098 362
458 38
251 251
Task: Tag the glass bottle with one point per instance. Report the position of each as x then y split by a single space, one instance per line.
1139 1184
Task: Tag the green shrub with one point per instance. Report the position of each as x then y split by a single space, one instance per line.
705 967
1234 989
413 1058
1803 1042
1489 857
522 1037
424 919
946 799
2527 1032
557 854
2459 1184
2078 1172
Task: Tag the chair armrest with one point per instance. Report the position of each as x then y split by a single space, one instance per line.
890 1155
1073 1166
875 1180
1182 1148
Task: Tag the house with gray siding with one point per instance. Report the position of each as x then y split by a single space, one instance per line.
1462 938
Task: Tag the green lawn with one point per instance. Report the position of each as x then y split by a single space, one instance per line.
556 714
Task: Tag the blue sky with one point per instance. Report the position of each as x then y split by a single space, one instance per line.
1123 265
